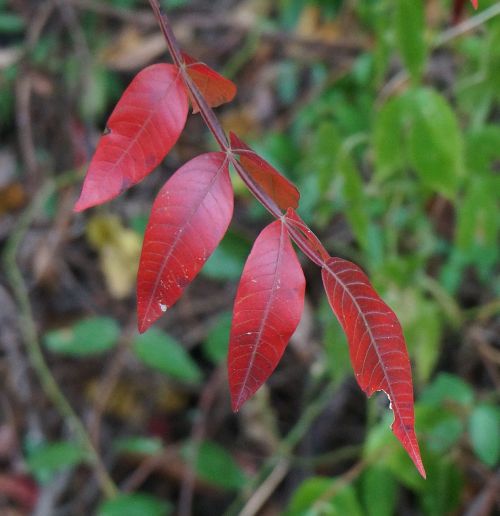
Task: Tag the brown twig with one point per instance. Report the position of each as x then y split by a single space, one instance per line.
206 400
106 387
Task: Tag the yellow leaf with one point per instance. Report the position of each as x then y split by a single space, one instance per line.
119 250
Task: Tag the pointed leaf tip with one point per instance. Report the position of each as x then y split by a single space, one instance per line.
376 346
267 310
144 126
475 3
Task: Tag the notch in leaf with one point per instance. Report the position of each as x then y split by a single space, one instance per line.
376 346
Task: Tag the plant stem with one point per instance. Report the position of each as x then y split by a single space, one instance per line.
31 340
218 133
313 410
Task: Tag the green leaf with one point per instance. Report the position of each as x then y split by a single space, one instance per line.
47 459
226 262
216 344
444 486
477 227
379 490
159 351
354 196
87 337
213 464
388 141
484 431
435 142
448 388
321 157
423 334
442 427
410 29
139 445
321 496
136 504
335 345
11 23
482 149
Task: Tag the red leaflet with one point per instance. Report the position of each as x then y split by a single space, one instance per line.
143 127
475 3
282 192
187 222
376 345
215 88
292 218
19 488
267 310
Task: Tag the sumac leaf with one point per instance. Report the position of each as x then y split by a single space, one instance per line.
188 219
143 127
277 187
215 88
376 345
267 310
293 219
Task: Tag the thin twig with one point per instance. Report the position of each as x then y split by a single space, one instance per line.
466 26
31 340
106 387
197 434
313 410
441 39
266 489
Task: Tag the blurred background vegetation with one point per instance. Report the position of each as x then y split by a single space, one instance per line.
386 115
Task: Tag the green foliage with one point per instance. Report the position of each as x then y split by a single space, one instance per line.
159 351
140 445
216 344
484 429
421 130
45 460
11 23
226 262
371 157
379 491
87 337
215 465
410 35
320 496
134 505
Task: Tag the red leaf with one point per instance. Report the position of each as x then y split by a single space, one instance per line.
267 310
143 127
376 345
475 3
19 488
292 218
214 87
187 222
277 187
